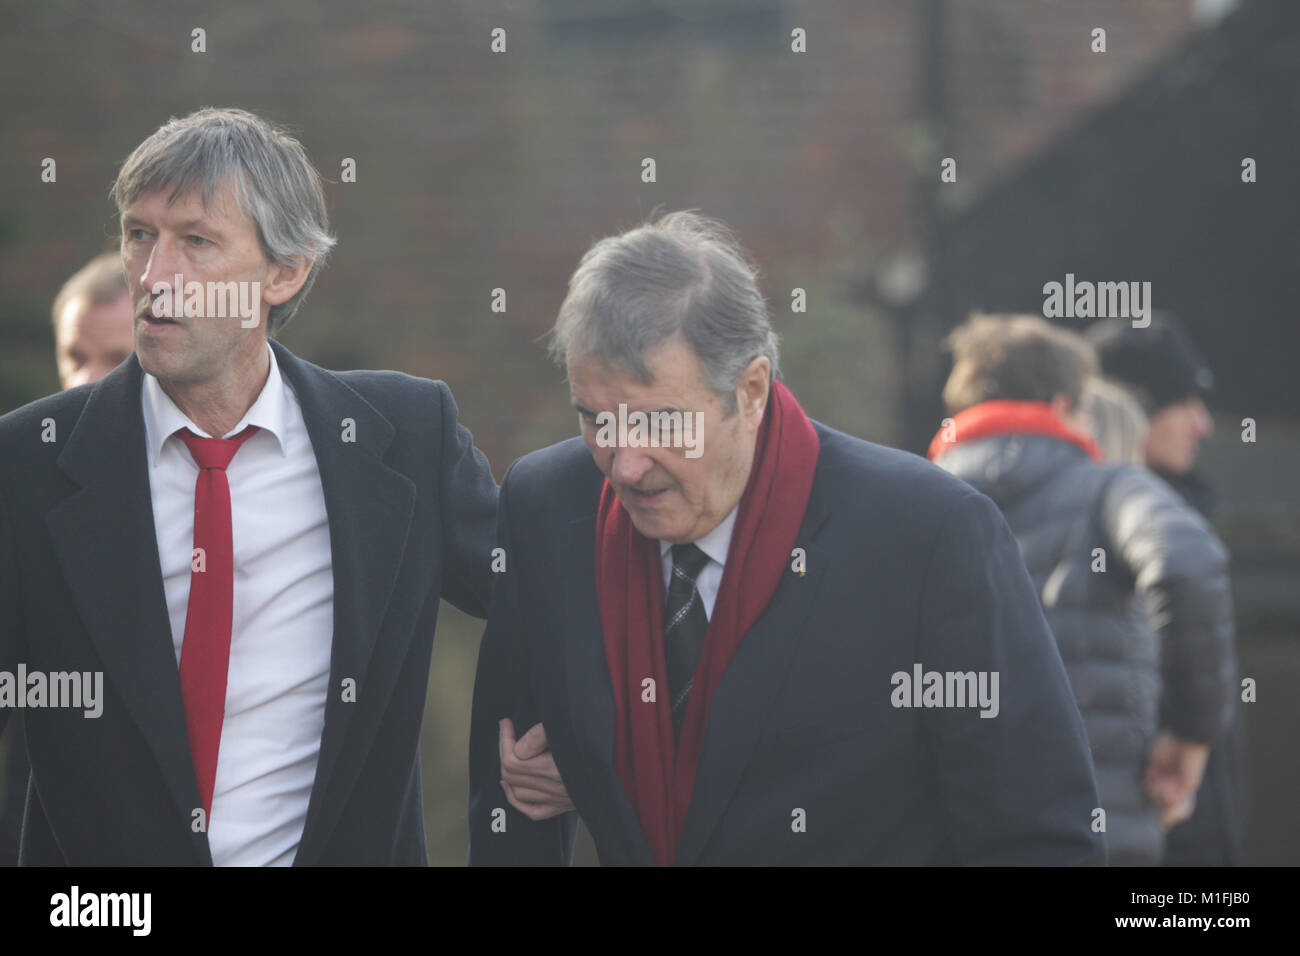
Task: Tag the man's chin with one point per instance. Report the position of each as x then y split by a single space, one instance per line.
161 362
1175 464
659 527
152 359
664 528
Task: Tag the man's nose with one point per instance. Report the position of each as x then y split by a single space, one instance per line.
161 266
1204 423
630 465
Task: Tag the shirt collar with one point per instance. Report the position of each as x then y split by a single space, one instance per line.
162 419
715 543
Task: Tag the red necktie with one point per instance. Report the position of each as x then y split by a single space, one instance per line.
205 653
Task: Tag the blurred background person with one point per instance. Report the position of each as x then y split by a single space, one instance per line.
1119 426
1166 374
1099 541
1116 421
93 322
93 334
1168 377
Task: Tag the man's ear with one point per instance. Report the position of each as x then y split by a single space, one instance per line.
283 282
753 388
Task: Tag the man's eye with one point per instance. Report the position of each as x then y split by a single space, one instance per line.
197 240
135 234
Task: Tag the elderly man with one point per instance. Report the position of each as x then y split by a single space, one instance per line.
770 644
238 555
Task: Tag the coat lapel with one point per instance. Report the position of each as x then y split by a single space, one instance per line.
751 682
370 507
104 538
592 709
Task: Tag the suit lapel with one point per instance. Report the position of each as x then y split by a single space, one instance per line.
370 507
106 545
592 710
751 682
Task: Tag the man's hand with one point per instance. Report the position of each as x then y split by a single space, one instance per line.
1173 772
529 776
1177 814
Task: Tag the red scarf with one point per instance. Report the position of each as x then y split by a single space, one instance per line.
1005 417
630 589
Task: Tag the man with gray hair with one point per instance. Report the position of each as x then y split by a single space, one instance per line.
249 548
753 640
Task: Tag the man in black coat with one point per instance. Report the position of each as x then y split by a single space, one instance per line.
1165 372
761 641
94 332
222 643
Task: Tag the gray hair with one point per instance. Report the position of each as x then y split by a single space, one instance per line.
273 181
681 274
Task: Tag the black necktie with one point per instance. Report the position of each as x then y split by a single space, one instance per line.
684 625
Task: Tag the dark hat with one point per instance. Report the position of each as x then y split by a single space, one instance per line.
1157 363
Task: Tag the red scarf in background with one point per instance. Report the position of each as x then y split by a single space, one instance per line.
1006 417
630 589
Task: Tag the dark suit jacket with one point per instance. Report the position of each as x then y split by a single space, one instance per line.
411 506
905 564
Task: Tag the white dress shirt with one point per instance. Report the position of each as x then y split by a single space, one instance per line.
715 545
283 613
